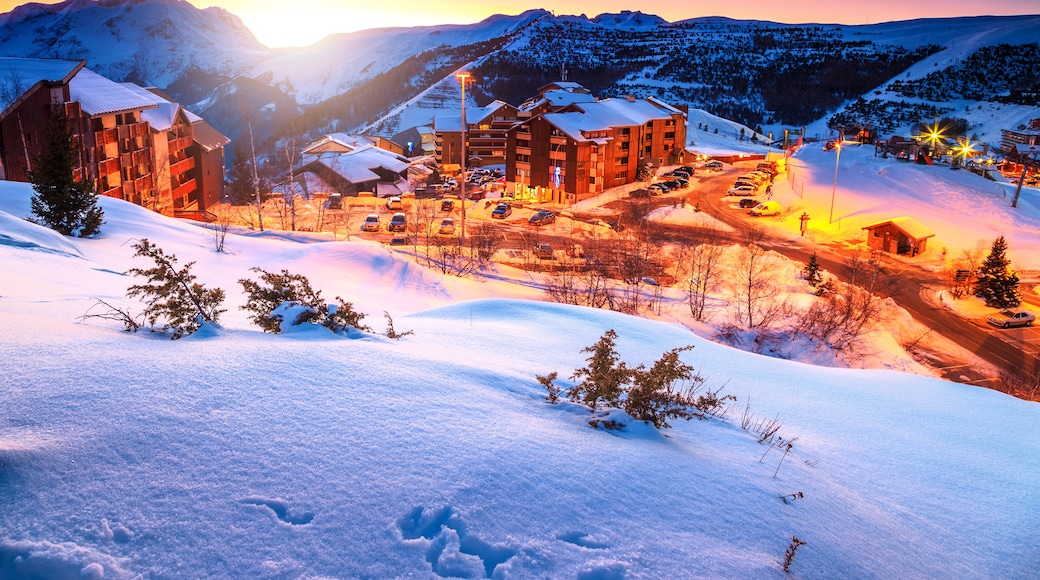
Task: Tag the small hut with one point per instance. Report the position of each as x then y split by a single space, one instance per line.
901 235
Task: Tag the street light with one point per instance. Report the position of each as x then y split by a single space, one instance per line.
837 147
463 77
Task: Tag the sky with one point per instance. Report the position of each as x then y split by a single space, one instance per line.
277 23
316 455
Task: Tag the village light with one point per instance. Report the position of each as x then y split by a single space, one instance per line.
966 149
463 77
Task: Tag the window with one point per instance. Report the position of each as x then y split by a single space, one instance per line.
669 135
623 161
621 175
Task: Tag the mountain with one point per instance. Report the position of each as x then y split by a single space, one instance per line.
758 73
150 42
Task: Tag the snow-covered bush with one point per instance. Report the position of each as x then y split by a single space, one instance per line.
283 300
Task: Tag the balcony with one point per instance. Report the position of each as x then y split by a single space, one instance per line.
108 167
184 190
138 130
106 137
182 143
182 166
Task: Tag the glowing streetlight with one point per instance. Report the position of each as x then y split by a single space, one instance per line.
966 148
934 134
463 77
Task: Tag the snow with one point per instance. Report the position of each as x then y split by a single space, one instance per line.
234 453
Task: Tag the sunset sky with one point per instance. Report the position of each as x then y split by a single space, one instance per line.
302 22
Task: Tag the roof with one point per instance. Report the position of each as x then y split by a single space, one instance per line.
910 226
208 137
338 142
98 95
447 123
359 165
20 75
607 114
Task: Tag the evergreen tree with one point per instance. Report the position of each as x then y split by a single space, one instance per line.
61 203
812 271
604 379
997 283
240 177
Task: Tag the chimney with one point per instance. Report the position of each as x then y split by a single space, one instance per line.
631 98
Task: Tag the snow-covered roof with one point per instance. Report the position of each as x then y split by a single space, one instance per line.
606 114
1027 150
912 227
98 95
564 98
18 75
340 142
359 165
449 123
207 136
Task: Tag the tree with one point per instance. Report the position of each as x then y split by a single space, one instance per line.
812 271
171 295
240 177
604 379
62 203
997 283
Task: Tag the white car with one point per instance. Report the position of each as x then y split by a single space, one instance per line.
1009 318
371 223
743 190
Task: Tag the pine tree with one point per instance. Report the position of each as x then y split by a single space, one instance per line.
61 203
604 379
997 283
812 271
240 177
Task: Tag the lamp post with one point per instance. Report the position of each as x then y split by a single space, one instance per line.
463 77
835 188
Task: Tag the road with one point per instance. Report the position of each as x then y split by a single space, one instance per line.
1003 349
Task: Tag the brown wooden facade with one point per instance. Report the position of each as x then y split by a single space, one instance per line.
545 163
898 236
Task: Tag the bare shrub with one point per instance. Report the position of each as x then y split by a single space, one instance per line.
756 293
848 312
697 265
106 311
789 553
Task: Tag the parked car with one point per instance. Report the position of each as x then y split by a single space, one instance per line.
398 223
447 227
502 211
394 203
766 208
400 240
658 189
713 165
543 251
371 223
335 201
447 204
748 202
639 193
542 218
742 190
477 195
1009 318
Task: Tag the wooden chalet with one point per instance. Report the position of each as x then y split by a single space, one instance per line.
366 169
31 90
901 235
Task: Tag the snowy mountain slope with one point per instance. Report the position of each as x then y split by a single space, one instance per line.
240 454
339 62
152 43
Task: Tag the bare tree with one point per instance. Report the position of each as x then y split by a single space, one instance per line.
697 265
849 310
755 289
256 181
220 225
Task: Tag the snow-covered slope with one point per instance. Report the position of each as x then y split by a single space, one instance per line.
153 42
339 62
238 454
